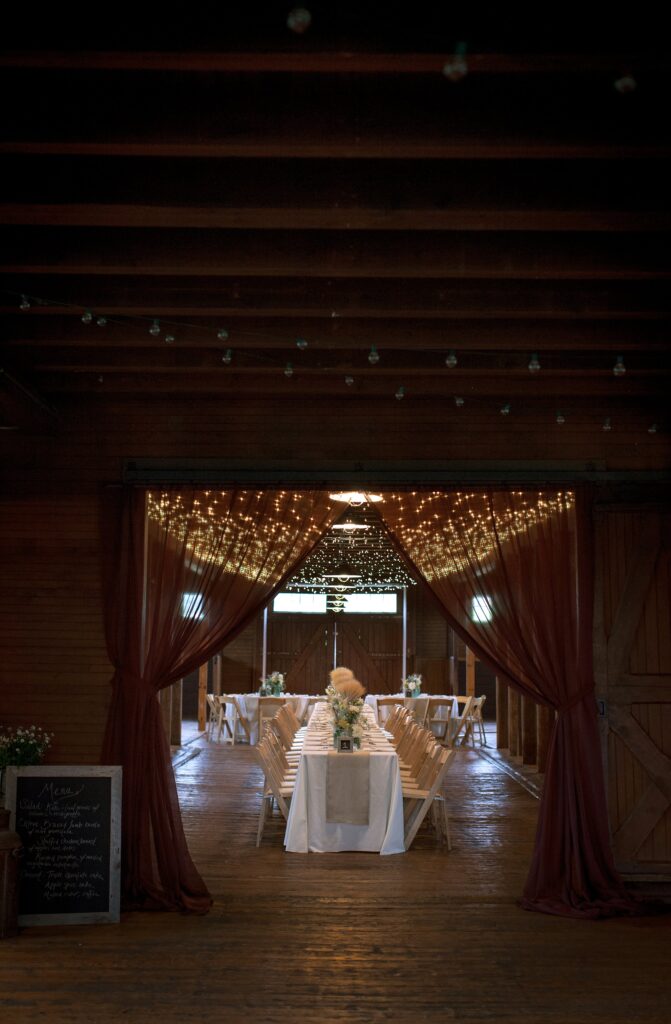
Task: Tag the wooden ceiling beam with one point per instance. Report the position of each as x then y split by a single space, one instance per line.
331 62
64 329
125 215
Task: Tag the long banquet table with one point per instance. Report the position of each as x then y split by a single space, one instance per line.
249 706
307 827
417 705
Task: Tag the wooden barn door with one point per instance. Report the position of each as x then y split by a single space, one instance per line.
633 670
371 646
301 647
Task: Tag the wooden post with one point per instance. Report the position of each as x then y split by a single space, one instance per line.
176 714
501 714
544 722
470 673
453 676
202 697
513 722
528 731
217 664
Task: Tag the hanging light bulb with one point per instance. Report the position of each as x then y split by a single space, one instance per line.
301 343
87 317
25 302
619 369
456 67
652 429
227 356
560 418
288 370
349 381
373 356
400 393
169 338
222 334
458 401
299 20
534 363
607 424
505 409
101 321
155 328
355 498
451 359
100 378
624 84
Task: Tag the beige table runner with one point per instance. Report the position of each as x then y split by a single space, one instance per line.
347 787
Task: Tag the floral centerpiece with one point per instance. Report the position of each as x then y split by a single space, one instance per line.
412 685
272 685
345 700
21 747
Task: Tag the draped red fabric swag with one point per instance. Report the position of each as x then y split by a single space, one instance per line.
185 570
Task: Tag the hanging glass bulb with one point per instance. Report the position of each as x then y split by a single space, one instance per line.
155 328
227 356
458 401
301 343
25 302
222 334
288 370
534 363
652 429
451 359
624 84
456 67
619 369
607 424
349 381
373 356
560 418
505 409
299 20
101 321
87 317
400 393
169 338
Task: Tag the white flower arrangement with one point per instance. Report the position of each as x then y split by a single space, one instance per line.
346 712
23 746
412 685
272 685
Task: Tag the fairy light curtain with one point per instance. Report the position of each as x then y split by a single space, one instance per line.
513 573
185 571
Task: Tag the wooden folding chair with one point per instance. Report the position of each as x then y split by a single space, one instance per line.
241 723
278 785
458 725
438 715
310 707
217 720
267 709
382 705
476 721
420 797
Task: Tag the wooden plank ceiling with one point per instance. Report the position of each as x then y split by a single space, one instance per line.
336 188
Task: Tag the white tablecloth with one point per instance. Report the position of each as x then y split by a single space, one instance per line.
307 828
249 705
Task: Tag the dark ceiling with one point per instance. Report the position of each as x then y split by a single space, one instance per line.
335 187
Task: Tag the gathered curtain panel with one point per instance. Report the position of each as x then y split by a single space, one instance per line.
184 571
513 572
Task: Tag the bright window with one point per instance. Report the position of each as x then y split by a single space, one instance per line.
310 604
192 606
481 609
371 604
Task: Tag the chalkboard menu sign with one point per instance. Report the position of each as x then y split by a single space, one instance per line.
69 820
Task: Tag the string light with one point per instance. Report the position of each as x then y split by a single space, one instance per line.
87 317
400 393
373 356
227 356
349 381
560 418
299 20
458 401
619 369
222 334
456 67
607 424
534 363
101 321
288 370
25 302
505 409
625 84
301 343
652 429
451 359
155 328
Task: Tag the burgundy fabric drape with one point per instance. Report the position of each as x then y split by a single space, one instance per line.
520 564
185 570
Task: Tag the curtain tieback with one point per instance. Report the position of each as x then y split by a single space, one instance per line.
575 700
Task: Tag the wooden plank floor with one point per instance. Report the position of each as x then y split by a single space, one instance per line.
429 935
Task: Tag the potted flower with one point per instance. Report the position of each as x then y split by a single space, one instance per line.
272 685
412 685
22 746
